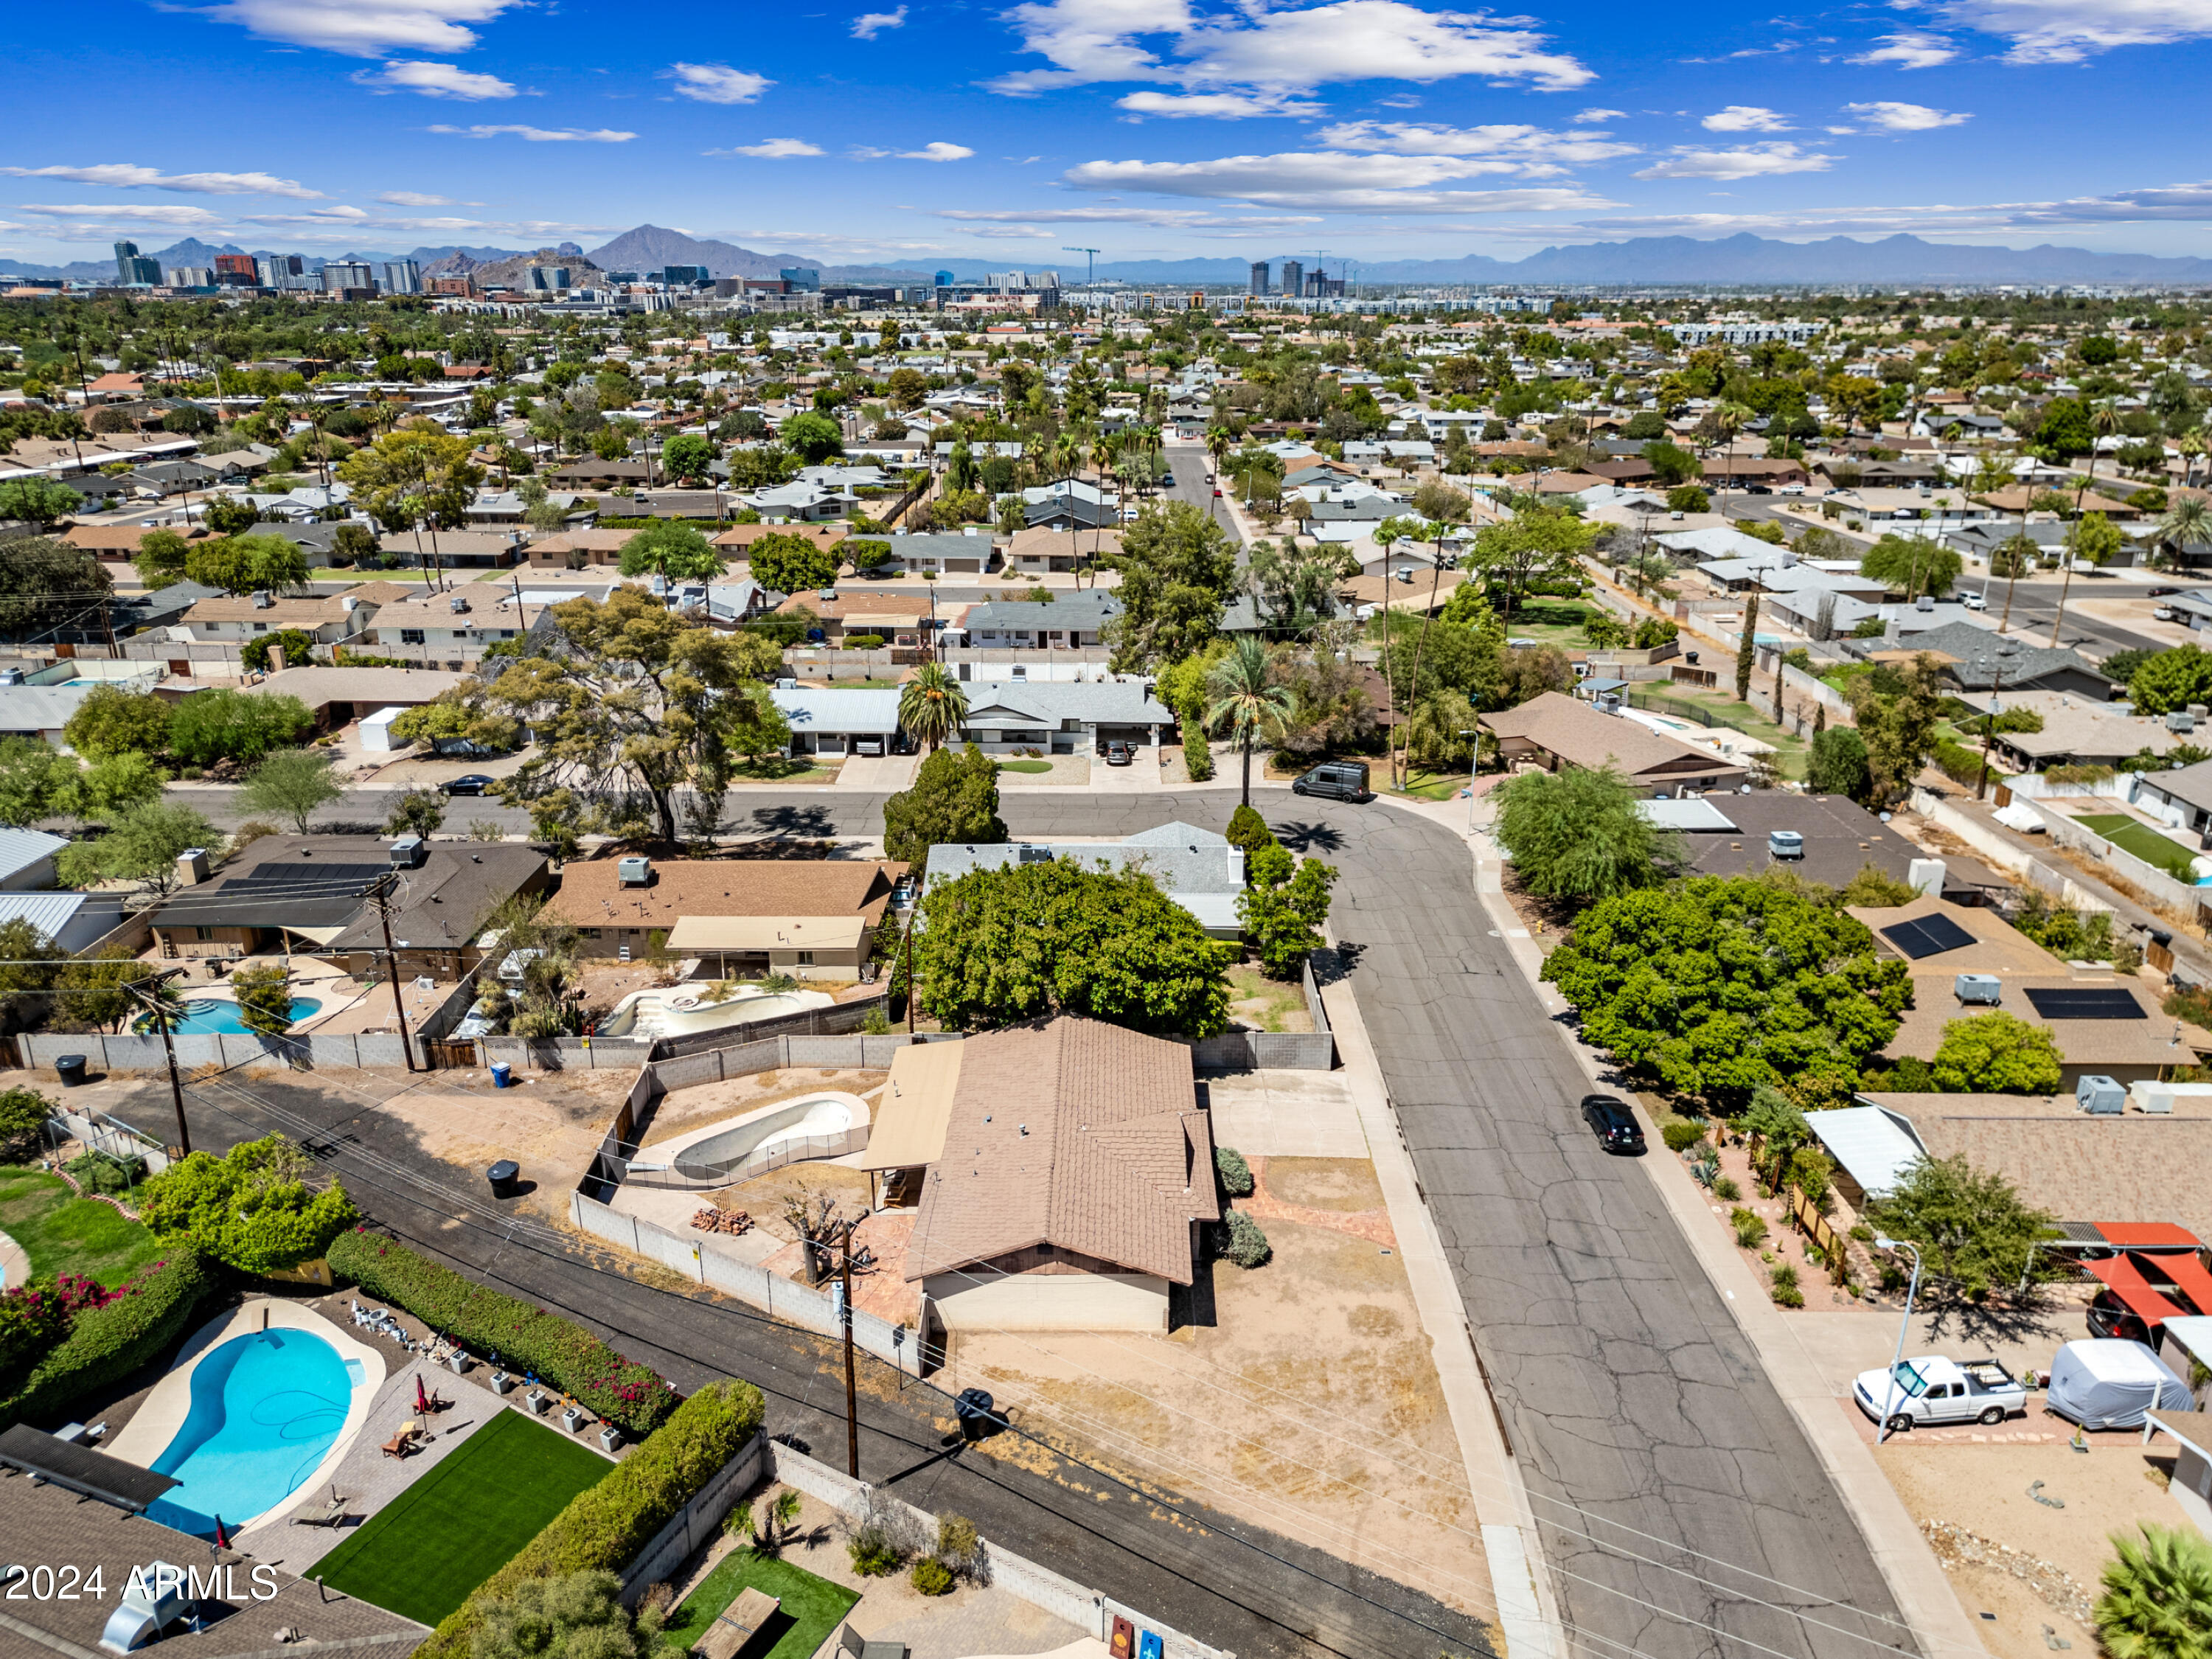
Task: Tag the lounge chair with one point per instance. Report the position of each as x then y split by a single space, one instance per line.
398 1446
860 1647
327 1514
737 1625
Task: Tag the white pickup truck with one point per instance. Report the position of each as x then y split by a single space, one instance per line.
1932 1389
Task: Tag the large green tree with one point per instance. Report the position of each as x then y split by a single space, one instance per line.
142 844
954 800
114 721
1910 565
671 548
813 438
46 586
1536 544
1971 1225
240 564
1283 906
1177 568
1580 836
1837 764
784 562
1714 985
1997 1054
1899 728
2172 679
999 947
292 783
222 724
251 1208
37 501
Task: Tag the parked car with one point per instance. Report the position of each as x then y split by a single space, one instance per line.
1335 780
462 749
1119 753
2163 613
472 783
1933 1389
1618 1131
1974 602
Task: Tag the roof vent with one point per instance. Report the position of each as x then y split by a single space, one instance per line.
1784 844
635 872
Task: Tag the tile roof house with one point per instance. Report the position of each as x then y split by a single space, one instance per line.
1074 1172
1554 730
813 919
1197 868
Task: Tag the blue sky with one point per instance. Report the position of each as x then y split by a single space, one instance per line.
1372 129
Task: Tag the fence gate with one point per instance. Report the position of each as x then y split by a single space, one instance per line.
445 1055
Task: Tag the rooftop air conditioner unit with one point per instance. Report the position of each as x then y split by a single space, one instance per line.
262 599
1985 989
408 853
1925 603
2180 720
457 603
2100 1096
634 871
1784 844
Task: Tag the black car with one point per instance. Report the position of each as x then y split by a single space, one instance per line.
475 783
1617 1128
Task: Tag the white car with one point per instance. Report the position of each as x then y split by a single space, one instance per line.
1932 1389
1975 602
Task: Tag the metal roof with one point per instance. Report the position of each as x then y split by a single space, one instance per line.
1875 1146
22 848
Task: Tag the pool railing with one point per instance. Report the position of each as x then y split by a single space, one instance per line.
686 1176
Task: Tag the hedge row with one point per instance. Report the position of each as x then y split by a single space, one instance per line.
608 1526
526 1338
108 1343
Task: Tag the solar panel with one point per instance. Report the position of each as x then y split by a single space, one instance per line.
1930 936
2070 1002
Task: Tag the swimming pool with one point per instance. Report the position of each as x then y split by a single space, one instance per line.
265 1407
204 1015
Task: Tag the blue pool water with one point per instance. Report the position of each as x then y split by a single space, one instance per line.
207 1014
265 1408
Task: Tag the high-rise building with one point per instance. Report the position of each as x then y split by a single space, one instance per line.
1258 277
133 269
190 277
686 275
339 275
235 271
1294 278
281 271
802 281
943 279
548 279
403 276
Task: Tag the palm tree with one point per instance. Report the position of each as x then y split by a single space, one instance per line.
1243 703
1217 445
2191 445
1101 457
2187 523
2157 1602
2105 421
932 706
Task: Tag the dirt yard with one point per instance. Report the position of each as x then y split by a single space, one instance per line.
2049 1581
550 1122
1302 1399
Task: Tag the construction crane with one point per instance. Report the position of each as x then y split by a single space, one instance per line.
1090 262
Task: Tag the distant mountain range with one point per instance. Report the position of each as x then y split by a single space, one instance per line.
1735 261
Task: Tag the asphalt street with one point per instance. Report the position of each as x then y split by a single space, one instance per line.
1190 463
1682 1509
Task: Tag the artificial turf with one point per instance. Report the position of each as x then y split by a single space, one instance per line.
421 1554
64 1234
2131 835
812 1607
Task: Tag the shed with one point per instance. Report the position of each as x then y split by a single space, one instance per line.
376 736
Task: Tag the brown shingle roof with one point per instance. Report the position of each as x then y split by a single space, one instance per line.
592 893
1074 1133
1583 736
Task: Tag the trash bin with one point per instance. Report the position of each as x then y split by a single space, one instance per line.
500 1073
71 1069
971 1408
502 1176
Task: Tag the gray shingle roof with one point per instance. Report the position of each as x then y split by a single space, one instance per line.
1089 611
1980 653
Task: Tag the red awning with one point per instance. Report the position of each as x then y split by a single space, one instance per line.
2150 1235
2126 1280
2185 1273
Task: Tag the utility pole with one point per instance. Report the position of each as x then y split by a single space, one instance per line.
170 1048
1989 732
852 1405
382 900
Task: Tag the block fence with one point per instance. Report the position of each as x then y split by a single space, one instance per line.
128 1052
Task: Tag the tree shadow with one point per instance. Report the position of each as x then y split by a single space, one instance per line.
1305 837
1991 1321
1334 963
793 820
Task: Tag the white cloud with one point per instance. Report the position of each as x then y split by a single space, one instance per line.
1910 50
436 80
718 83
1745 118
1217 105
1746 161
2068 31
413 198
365 28
2185 202
1178 218
1603 115
869 24
1089 41
1531 152
1012 233
123 175
937 150
1887 117
772 149
543 135
1330 180
122 213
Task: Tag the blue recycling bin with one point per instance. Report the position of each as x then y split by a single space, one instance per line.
500 1073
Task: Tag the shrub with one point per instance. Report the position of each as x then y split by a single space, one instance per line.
863 642
579 1614
23 1112
1682 1135
931 1576
2157 1588
606 1526
108 1343
560 1351
958 1547
1197 756
249 1208
1235 1173
1785 1291
1248 1246
1811 1173
104 1172
1750 1227
1726 1190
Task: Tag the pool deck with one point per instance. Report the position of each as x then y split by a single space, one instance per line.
155 1424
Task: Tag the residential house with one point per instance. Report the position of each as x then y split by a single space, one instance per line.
1197 868
327 619
2082 732
2102 1022
1062 717
1069 504
309 895
968 551
1408 589
1039 551
1756 473
1733 835
1066 622
579 548
26 860
850 721
337 696
810 919
589 473
796 503
2181 798
1976 660
1711 543
737 541
456 629
1063 1172
494 509
449 550
897 618
1554 729
73 922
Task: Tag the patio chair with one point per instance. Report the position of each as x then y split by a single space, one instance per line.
398 1446
860 1647
327 1514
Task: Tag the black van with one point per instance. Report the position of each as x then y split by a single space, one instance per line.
1336 781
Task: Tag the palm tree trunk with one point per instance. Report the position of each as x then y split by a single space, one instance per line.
1435 577
1247 766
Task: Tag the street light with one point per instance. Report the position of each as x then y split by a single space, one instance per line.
1904 1325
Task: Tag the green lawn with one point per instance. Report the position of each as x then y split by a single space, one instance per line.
2133 836
812 1607
1426 786
421 1554
1555 622
64 1234
1025 766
